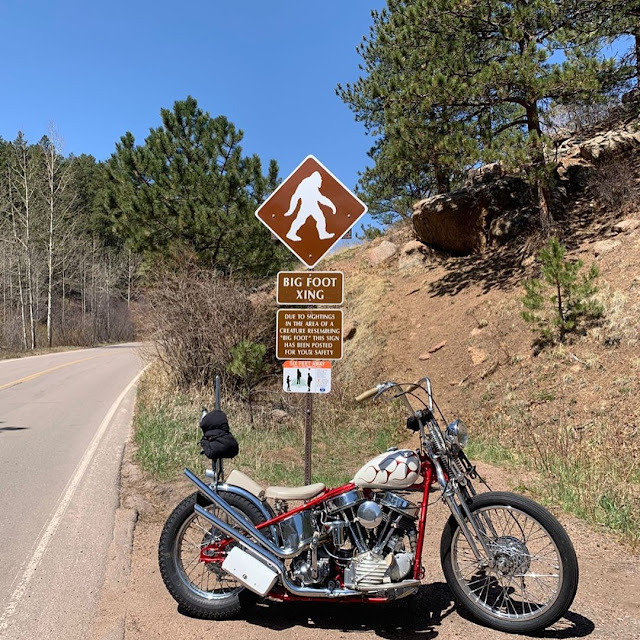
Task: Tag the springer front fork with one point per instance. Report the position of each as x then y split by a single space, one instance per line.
477 530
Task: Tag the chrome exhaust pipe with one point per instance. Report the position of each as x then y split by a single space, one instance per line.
239 520
252 547
263 555
267 553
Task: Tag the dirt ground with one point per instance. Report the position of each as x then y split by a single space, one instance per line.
485 344
607 605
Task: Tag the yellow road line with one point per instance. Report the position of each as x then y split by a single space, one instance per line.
41 373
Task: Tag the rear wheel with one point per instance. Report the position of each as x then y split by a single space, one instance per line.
203 588
533 578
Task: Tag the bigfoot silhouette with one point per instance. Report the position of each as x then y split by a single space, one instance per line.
309 196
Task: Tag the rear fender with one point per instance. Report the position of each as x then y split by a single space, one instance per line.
263 507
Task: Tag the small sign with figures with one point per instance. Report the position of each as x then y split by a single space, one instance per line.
306 376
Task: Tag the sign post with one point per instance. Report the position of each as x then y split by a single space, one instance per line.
308 424
309 213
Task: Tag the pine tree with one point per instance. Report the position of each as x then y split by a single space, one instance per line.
557 301
449 83
622 18
189 190
248 365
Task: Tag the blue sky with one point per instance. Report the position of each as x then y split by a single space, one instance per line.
98 69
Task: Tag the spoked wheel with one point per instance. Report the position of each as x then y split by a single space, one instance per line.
190 554
532 579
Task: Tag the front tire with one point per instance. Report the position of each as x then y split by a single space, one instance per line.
534 577
203 589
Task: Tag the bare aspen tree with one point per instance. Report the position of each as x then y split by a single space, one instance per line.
58 205
24 212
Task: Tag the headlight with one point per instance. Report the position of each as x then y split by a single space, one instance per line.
457 433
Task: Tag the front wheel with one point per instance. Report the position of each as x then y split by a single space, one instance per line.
532 579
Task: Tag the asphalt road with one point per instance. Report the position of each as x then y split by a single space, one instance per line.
64 419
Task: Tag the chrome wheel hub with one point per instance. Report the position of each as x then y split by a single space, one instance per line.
511 556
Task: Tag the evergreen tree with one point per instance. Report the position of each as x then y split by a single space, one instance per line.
571 299
249 366
623 19
188 188
449 83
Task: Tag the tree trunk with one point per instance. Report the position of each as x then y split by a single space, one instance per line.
23 311
62 314
51 197
637 47
539 165
443 182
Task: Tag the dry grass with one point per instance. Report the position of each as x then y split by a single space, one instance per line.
364 292
621 317
568 429
40 351
345 435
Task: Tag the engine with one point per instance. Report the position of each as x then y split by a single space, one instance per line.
371 538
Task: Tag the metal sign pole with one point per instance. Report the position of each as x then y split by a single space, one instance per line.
308 421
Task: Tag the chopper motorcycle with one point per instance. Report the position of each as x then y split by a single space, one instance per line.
506 559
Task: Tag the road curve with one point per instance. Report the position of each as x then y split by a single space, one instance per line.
64 420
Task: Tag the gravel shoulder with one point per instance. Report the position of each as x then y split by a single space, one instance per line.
136 605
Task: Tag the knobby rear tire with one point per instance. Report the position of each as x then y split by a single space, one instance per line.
186 578
536 559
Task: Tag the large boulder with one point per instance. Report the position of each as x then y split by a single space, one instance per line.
383 252
609 144
461 221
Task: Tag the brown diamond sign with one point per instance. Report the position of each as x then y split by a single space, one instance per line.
311 211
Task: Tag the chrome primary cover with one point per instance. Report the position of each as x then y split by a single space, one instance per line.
391 470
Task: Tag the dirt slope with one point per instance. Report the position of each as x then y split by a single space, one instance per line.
457 320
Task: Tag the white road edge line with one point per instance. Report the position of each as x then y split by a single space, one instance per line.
52 527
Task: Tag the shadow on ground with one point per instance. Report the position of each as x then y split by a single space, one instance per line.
494 269
13 428
417 617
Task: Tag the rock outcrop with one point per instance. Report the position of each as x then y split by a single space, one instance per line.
383 252
490 209
412 255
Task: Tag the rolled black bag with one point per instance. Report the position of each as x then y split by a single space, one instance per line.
217 441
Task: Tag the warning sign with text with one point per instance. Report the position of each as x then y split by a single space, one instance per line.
309 334
298 287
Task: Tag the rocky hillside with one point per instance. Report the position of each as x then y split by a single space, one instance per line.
569 413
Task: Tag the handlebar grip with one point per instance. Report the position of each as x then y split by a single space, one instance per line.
367 394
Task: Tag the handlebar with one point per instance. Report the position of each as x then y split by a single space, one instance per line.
381 388
367 394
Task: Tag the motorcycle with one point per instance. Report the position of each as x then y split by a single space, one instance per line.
506 559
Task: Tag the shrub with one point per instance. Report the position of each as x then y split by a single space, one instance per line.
614 187
559 301
196 319
247 363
